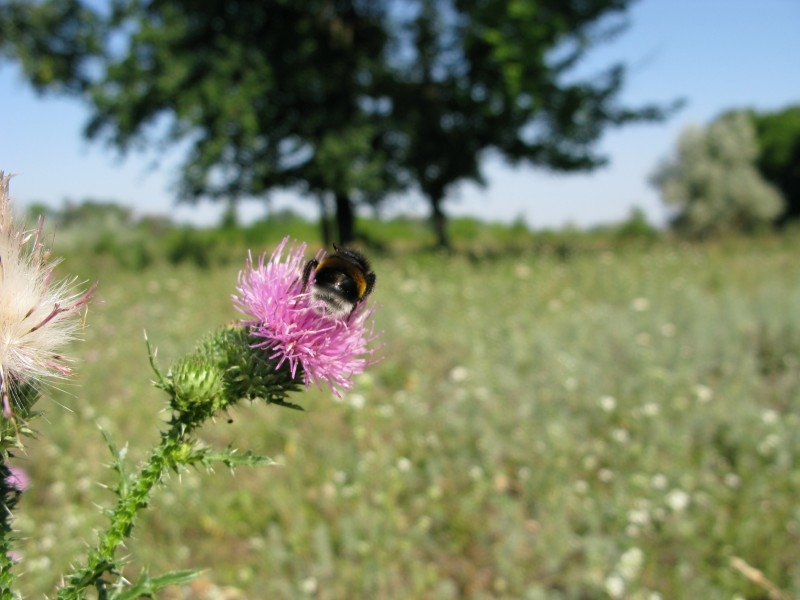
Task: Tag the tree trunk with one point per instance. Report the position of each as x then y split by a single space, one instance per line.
439 222
345 220
230 218
324 221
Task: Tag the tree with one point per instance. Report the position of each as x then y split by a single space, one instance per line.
778 135
497 76
268 94
713 182
343 100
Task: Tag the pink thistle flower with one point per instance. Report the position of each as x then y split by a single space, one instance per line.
327 350
37 315
18 479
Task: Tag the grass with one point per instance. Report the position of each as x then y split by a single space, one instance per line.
579 419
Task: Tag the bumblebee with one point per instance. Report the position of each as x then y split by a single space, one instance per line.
339 282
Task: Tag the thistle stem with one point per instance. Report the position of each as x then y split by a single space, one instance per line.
9 497
134 495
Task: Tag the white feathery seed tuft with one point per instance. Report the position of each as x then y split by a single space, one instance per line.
38 316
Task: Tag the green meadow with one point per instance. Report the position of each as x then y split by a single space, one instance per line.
562 415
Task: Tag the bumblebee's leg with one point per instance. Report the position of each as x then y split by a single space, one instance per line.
350 314
370 277
310 266
370 284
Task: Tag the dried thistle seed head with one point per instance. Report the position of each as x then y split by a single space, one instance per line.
38 316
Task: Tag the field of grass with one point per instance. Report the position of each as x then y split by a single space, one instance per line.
589 420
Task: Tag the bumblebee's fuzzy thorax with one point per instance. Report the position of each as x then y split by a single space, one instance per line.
339 282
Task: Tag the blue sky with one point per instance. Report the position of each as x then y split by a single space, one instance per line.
717 54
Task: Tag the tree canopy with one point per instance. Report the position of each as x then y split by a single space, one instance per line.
778 135
712 179
352 99
499 76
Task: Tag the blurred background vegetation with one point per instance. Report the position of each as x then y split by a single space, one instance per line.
559 414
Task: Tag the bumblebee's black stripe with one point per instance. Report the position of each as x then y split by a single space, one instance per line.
341 264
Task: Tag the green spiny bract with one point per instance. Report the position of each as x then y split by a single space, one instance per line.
251 374
197 388
23 395
223 370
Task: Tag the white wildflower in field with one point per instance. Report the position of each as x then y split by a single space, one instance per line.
309 585
769 444
668 330
639 516
476 472
650 409
615 586
677 500
357 401
522 270
459 374
703 393
770 417
630 563
605 475
659 481
608 403
627 571
620 435
732 480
